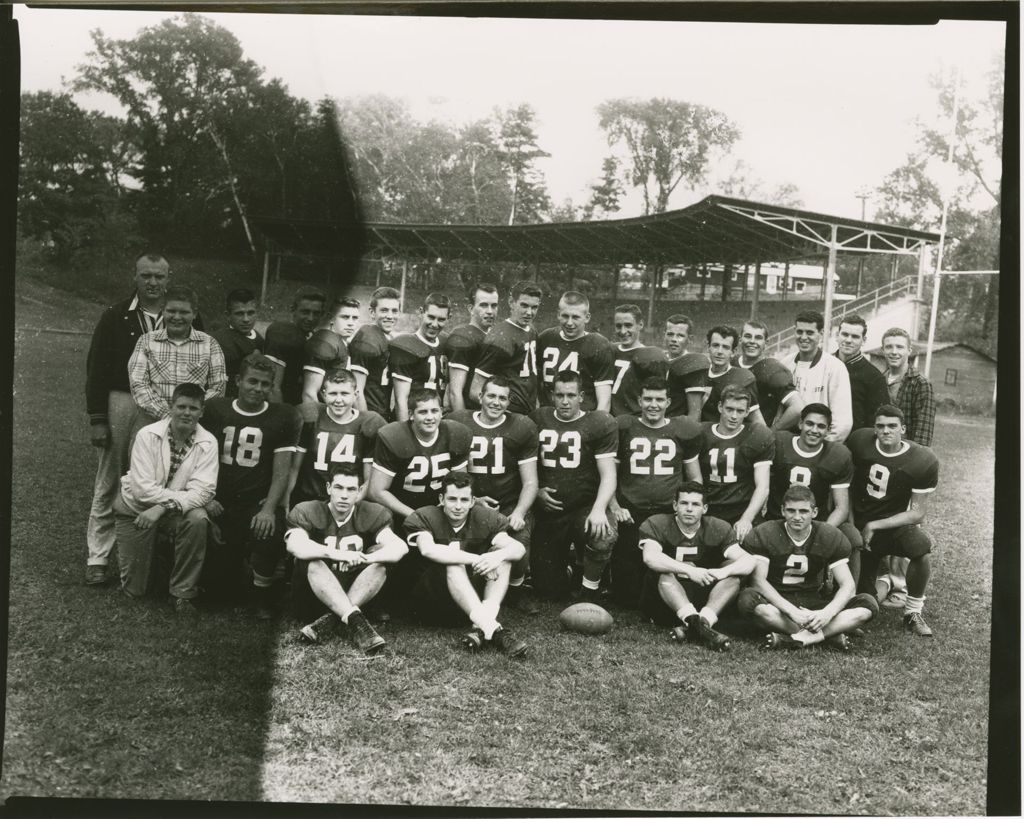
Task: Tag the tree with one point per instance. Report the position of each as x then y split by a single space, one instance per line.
743 183
518 150
606 194
664 143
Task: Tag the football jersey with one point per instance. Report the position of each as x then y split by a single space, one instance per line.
827 468
651 460
734 376
323 442
474 536
883 485
632 368
705 549
325 351
567 460
774 383
686 374
590 355
462 349
248 443
495 453
416 468
359 532
794 569
235 347
368 354
727 466
418 362
286 345
511 351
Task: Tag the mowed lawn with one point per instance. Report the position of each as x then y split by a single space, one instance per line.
113 699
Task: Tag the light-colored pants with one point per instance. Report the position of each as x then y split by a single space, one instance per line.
135 550
113 463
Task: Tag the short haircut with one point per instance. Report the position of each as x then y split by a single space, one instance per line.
632 309
817 409
798 493
725 331
810 317
735 392
240 295
889 411
855 319
758 325
690 487
526 288
384 293
575 297
256 361
339 375
179 292
149 257
437 300
189 390
679 318
309 294
497 381
343 301
482 287
569 377
892 331
654 382
421 396
459 479
349 469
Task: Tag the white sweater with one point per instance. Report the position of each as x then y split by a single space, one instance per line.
825 380
193 485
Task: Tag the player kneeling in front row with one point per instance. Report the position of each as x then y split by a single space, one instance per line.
693 560
470 556
791 559
342 547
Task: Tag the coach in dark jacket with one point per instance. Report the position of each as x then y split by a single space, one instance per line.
867 383
108 398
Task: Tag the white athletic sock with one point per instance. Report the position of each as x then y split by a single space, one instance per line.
808 637
685 611
261 582
480 617
709 616
515 582
914 605
593 585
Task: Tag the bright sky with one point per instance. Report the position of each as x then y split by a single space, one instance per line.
828 108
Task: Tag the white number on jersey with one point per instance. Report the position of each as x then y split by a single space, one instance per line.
800 476
421 468
665 453
529 359
431 383
796 569
344 451
878 480
729 475
551 363
685 554
549 441
480 462
348 543
623 368
250 439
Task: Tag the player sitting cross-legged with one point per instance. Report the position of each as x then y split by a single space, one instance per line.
470 555
343 547
791 558
692 560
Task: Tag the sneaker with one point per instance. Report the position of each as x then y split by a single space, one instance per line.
838 642
366 639
473 640
95 575
320 628
184 607
508 643
896 599
520 598
714 640
915 624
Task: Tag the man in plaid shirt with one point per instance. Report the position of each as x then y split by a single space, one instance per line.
175 354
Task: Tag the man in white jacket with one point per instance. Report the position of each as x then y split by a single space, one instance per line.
173 475
820 378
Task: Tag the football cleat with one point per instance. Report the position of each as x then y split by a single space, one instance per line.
366 639
508 643
319 629
896 599
838 642
915 624
714 640
598 596
774 639
520 598
473 640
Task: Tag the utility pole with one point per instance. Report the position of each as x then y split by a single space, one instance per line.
863 194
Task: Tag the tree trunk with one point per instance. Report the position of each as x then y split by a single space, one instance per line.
703 280
991 307
726 273
222 147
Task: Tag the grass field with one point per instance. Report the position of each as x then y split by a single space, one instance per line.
116 699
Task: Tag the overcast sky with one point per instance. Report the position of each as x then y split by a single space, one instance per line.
828 108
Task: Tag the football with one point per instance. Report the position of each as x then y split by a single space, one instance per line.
586 618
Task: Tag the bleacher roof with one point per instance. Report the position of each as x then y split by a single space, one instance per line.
716 229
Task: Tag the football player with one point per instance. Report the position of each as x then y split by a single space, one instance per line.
333 432
240 337
417 359
510 349
570 347
892 480
470 556
634 363
368 353
577 483
343 549
778 400
286 344
791 559
463 345
327 348
735 462
692 560
503 465
721 374
256 440
654 451
687 372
